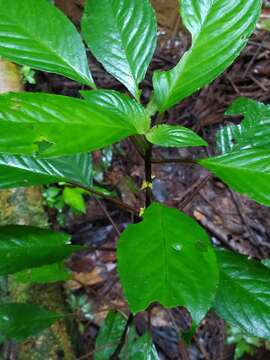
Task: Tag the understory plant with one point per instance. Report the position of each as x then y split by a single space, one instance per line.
165 257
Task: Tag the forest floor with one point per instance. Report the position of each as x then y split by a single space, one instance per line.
231 220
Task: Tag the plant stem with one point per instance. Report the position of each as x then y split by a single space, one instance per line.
103 208
148 175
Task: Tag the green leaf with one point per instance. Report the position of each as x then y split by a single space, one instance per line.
254 130
26 247
220 29
109 335
18 321
74 198
174 136
245 163
35 33
143 349
122 36
243 297
121 106
55 125
167 258
246 171
266 262
44 274
17 171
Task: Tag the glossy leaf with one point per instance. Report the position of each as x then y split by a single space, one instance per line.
174 136
253 131
220 29
55 125
243 297
266 262
109 335
44 274
122 36
245 163
18 321
143 349
182 270
26 247
35 33
121 106
246 171
17 171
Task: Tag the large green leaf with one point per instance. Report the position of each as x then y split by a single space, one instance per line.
243 297
245 171
26 247
245 163
44 274
122 36
18 321
17 171
55 125
167 258
109 335
220 29
174 136
37 34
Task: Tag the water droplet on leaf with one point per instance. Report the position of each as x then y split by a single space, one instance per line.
177 247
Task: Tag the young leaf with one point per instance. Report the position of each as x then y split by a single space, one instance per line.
109 335
17 171
220 29
122 36
174 136
44 274
35 33
167 258
18 321
245 163
243 297
26 247
74 198
55 125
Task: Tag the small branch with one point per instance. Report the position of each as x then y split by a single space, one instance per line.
121 344
183 350
108 215
117 202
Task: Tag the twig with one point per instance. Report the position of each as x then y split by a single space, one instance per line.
250 64
183 350
119 348
189 195
119 203
108 215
